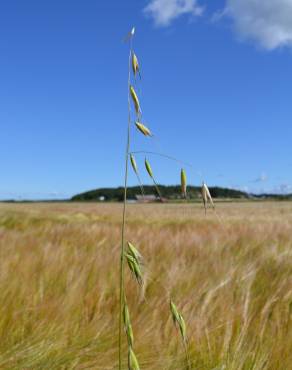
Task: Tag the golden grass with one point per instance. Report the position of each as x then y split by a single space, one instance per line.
59 285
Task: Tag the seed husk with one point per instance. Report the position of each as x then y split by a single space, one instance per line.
135 100
135 268
183 183
134 252
142 128
206 196
135 65
128 326
148 168
178 320
174 312
182 327
134 164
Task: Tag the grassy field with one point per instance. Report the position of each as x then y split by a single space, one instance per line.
231 277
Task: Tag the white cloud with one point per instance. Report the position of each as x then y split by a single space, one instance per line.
267 22
165 11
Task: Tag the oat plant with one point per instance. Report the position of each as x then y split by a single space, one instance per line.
130 254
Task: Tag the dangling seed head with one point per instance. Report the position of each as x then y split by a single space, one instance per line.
174 312
134 252
135 100
183 183
142 128
178 320
128 326
135 64
134 164
206 196
135 268
182 327
148 168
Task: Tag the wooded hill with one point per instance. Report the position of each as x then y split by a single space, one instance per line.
168 192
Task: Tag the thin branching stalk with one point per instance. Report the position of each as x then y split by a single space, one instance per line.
122 258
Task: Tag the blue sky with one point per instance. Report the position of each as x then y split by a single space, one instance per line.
215 90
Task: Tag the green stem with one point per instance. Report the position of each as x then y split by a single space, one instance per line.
122 259
187 356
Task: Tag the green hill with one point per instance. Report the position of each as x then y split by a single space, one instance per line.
168 192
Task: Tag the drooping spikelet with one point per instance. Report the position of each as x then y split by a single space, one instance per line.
142 128
135 65
133 251
178 320
183 183
149 169
135 100
134 164
206 196
134 259
128 326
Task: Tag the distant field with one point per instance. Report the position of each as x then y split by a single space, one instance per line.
230 275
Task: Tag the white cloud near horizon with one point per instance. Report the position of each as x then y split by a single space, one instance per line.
268 22
164 12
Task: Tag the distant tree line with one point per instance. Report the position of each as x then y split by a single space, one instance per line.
171 192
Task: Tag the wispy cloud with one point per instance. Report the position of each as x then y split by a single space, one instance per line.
164 12
267 22
262 178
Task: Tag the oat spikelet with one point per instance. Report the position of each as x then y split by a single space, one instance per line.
135 100
134 252
142 128
135 267
135 65
206 196
178 320
134 164
183 183
132 360
128 326
149 169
